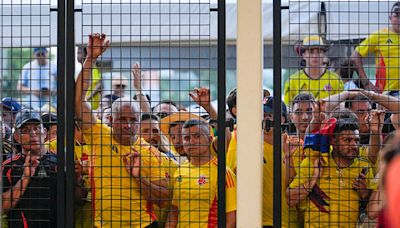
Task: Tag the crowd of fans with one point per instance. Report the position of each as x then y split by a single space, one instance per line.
143 166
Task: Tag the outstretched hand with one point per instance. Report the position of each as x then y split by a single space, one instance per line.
137 77
132 164
201 96
97 45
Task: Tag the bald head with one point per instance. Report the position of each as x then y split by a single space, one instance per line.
122 103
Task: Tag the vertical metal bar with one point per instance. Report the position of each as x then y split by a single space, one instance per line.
221 113
70 107
277 202
61 113
250 113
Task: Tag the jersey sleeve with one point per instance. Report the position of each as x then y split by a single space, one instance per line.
176 188
97 134
231 153
368 45
304 174
230 191
150 165
287 94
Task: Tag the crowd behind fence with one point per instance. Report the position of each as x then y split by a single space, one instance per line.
144 161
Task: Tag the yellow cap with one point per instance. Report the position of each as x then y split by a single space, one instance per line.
314 41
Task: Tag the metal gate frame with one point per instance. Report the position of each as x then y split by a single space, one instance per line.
66 87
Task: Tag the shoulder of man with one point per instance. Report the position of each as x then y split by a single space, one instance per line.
49 158
14 159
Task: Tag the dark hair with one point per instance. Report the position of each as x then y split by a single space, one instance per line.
344 113
48 120
358 98
346 69
303 97
231 100
194 122
396 4
170 102
346 124
149 116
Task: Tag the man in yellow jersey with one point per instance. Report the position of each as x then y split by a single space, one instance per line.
385 44
121 198
289 218
332 187
196 183
314 78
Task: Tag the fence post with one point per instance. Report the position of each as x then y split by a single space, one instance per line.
221 113
277 202
61 112
249 103
70 108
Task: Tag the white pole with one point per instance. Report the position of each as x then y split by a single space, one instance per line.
250 113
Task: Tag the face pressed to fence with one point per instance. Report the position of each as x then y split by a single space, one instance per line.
362 109
314 57
125 122
31 137
175 134
346 144
301 115
150 131
196 141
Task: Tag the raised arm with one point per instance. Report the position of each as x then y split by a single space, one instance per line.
357 58
392 104
137 85
377 118
96 46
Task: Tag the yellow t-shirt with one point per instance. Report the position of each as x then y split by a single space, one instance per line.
338 203
96 99
168 168
268 193
195 194
385 44
328 84
116 195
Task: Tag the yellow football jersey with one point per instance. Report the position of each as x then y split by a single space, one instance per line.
268 193
385 44
195 194
328 84
117 197
333 201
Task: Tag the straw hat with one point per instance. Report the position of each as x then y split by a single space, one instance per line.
179 117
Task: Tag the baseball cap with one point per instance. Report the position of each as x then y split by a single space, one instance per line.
27 116
10 104
269 106
314 41
49 119
39 50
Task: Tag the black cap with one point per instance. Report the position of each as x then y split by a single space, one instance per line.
25 116
49 119
269 106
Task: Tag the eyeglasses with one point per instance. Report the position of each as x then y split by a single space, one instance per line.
31 130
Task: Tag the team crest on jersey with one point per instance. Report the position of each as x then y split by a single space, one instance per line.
179 179
167 175
328 87
202 180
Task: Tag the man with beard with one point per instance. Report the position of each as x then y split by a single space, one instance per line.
332 186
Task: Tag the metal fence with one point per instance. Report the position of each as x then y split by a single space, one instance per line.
123 114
